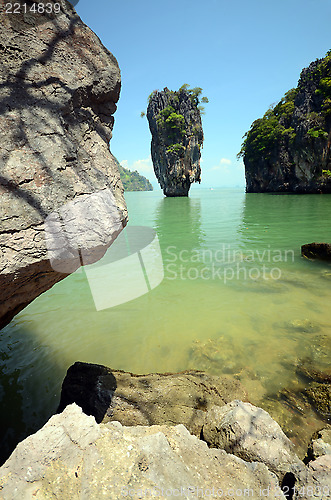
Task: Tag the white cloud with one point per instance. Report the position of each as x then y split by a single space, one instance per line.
143 166
223 165
124 163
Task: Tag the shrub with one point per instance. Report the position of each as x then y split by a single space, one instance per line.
176 148
326 173
316 133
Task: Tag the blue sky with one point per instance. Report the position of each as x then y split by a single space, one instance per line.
244 54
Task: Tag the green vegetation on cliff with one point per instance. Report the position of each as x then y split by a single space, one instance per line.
289 148
277 123
268 130
133 181
172 121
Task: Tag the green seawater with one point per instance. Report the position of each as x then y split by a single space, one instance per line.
237 298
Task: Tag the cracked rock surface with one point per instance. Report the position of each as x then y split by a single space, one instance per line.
58 92
74 457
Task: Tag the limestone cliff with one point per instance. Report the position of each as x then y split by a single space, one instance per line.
58 92
289 149
175 124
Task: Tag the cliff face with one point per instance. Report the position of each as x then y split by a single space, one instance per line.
175 124
289 149
61 197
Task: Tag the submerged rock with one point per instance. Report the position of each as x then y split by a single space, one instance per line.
175 124
320 251
302 325
154 399
289 149
319 395
58 92
216 356
294 400
72 457
304 369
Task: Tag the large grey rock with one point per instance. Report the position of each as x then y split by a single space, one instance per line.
320 444
61 195
251 434
317 482
173 398
72 457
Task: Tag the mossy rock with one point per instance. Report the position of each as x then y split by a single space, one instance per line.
319 396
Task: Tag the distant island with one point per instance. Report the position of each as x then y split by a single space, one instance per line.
133 181
289 148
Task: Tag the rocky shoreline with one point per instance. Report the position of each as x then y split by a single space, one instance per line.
163 435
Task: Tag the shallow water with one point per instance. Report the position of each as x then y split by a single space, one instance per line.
217 308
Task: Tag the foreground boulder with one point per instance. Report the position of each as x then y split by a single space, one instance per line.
175 124
289 148
251 434
154 399
320 443
61 195
320 251
72 457
317 481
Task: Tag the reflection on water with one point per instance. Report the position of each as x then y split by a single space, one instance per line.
251 326
183 215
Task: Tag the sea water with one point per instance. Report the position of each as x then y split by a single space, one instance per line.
236 299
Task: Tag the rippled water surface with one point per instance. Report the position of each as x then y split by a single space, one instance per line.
237 298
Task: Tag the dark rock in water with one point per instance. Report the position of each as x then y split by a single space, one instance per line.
289 148
177 138
319 396
91 387
58 92
154 399
320 251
